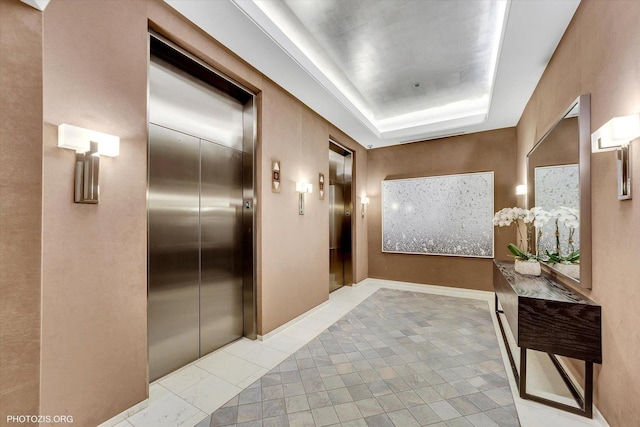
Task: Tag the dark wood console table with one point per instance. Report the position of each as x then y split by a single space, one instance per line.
547 316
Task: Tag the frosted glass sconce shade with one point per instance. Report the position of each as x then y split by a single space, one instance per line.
303 187
79 139
616 135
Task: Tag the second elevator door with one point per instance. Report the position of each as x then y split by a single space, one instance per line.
340 207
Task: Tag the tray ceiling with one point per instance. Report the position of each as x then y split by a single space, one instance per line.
394 71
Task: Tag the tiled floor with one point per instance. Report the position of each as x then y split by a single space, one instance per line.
399 358
288 378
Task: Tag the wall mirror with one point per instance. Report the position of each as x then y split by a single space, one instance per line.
559 181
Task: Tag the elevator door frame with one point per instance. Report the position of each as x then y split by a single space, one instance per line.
348 225
166 50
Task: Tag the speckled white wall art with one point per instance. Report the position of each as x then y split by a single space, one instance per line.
557 186
439 215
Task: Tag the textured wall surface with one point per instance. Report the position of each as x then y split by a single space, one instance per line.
295 248
478 152
20 207
598 55
94 348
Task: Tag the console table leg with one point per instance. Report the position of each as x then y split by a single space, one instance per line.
588 389
522 386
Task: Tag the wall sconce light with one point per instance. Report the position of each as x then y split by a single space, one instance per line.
89 146
617 134
364 200
302 188
275 175
521 190
321 186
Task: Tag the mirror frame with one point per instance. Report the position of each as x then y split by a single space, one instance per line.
584 141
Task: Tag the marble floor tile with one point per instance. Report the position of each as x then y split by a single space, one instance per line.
284 343
171 410
229 367
184 378
325 416
210 393
157 393
264 356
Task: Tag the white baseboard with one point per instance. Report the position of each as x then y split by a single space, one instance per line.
434 289
360 283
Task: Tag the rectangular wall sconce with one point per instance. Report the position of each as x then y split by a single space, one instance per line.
616 135
521 190
79 139
302 188
364 200
275 175
321 186
89 146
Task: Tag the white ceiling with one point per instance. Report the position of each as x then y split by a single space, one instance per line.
357 62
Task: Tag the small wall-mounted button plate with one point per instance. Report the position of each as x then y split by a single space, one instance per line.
321 186
275 175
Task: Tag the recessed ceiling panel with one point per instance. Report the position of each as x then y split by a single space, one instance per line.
405 56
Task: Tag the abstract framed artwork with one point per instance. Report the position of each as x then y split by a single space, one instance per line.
439 215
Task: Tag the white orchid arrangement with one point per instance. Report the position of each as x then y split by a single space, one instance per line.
570 218
535 217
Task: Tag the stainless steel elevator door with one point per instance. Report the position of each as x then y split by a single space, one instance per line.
201 290
195 248
174 250
340 217
221 206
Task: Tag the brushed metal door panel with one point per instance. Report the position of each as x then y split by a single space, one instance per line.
174 243
221 205
340 217
336 220
187 104
347 223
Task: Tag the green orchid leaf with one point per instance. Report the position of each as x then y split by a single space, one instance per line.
517 252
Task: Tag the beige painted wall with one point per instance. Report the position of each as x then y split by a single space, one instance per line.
94 350
295 248
94 256
295 264
20 207
478 152
599 55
